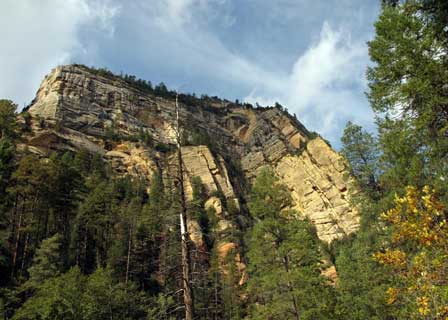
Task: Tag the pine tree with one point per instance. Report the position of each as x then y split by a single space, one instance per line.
74 296
360 149
7 150
57 298
93 229
30 215
47 262
8 124
284 264
408 91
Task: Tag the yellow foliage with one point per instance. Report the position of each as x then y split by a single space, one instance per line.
419 220
423 305
392 295
395 258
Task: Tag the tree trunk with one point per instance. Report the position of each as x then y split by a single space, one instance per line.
17 240
186 263
128 259
290 288
25 251
27 237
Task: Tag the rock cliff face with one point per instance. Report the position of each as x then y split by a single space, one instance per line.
227 144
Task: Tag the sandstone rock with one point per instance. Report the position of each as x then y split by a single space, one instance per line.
316 179
199 162
224 249
195 232
86 106
215 203
331 274
224 225
135 161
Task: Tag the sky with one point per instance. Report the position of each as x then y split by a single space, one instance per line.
309 55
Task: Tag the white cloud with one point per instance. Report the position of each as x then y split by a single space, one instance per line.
38 35
327 65
326 84
183 41
179 35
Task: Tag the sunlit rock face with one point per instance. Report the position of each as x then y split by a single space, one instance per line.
77 108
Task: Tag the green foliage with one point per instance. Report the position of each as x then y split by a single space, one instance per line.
268 197
196 207
362 282
145 137
27 121
408 93
103 298
284 263
47 262
120 244
162 308
408 84
360 149
7 150
94 222
8 124
103 222
57 298
161 90
75 296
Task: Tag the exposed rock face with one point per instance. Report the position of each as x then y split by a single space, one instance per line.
319 187
199 162
77 108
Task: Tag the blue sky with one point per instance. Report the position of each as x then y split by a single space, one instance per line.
309 55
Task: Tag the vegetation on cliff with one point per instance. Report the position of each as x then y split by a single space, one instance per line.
79 241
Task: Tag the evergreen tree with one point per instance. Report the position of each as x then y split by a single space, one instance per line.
57 298
47 262
284 264
360 149
74 296
408 84
104 298
92 237
8 124
362 282
408 93
7 150
30 215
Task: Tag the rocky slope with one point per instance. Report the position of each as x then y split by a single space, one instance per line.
227 144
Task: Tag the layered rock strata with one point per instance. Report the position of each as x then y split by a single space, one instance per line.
77 108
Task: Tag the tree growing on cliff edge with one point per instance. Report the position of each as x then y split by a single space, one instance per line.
8 123
285 279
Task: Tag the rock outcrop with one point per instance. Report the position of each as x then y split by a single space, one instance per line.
319 186
227 143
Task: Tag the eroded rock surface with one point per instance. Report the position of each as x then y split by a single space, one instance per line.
76 108
319 186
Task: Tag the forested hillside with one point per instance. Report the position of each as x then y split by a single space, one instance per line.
96 172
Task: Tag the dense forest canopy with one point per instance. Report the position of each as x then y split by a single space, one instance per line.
79 242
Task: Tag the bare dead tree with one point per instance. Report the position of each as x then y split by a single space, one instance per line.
185 237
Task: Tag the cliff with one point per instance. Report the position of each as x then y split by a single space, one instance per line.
226 144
